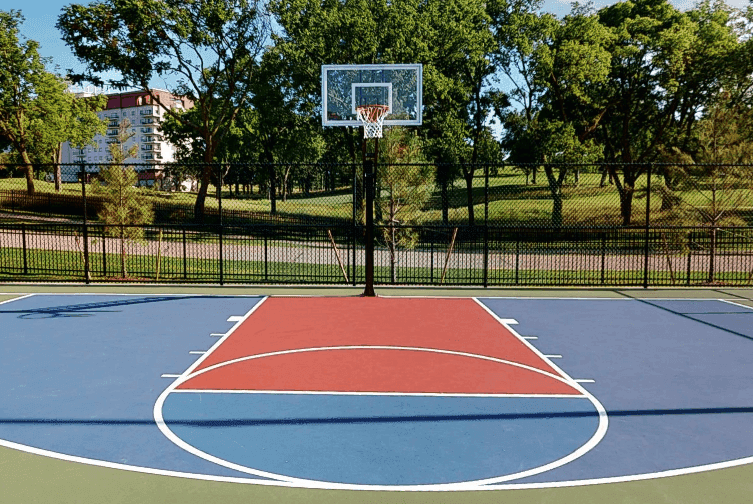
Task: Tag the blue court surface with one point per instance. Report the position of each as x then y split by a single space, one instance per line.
648 388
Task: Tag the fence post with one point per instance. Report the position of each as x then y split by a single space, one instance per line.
86 224
219 204
603 254
648 226
690 253
266 270
486 225
431 259
354 221
104 253
517 258
369 169
185 261
23 237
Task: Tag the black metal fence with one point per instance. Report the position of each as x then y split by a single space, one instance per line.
486 225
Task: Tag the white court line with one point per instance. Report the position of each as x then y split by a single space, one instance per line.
144 294
585 380
530 337
217 334
736 304
235 318
169 375
408 394
553 356
15 299
215 346
601 430
250 481
197 352
566 380
343 486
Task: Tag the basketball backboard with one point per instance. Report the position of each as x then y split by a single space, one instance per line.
346 87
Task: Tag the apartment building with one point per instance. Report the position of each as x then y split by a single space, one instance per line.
144 116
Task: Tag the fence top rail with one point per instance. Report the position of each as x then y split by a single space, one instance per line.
350 164
335 225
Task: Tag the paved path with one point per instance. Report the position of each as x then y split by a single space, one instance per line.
250 248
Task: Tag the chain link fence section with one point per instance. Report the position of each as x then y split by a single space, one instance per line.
486 224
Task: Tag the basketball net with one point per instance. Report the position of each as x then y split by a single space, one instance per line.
372 118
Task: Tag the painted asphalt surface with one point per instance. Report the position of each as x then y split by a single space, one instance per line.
79 375
679 393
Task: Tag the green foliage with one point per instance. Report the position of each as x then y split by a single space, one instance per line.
36 111
709 185
123 211
405 181
210 48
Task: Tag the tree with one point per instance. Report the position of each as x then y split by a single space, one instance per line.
523 35
451 39
68 119
31 99
465 58
665 67
714 182
405 180
563 65
210 48
123 210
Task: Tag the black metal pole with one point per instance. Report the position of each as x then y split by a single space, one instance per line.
690 255
219 205
648 224
355 226
603 254
266 260
486 225
104 252
369 167
85 230
517 259
185 259
23 237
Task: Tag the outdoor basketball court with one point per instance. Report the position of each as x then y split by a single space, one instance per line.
168 395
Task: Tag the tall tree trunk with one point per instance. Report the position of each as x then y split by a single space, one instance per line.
272 188
58 169
712 254
445 202
468 176
123 271
626 203
555 189
201 197
29 172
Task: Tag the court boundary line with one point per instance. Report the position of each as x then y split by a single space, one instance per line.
396 394
464 485
736 304
15 298
377 347
601 430
248 480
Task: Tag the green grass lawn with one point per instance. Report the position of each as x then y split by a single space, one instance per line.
511 201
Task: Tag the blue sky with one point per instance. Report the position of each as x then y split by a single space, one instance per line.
41 17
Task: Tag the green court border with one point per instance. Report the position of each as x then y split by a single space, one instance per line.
26 478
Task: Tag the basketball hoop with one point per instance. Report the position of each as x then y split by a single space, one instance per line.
372 118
